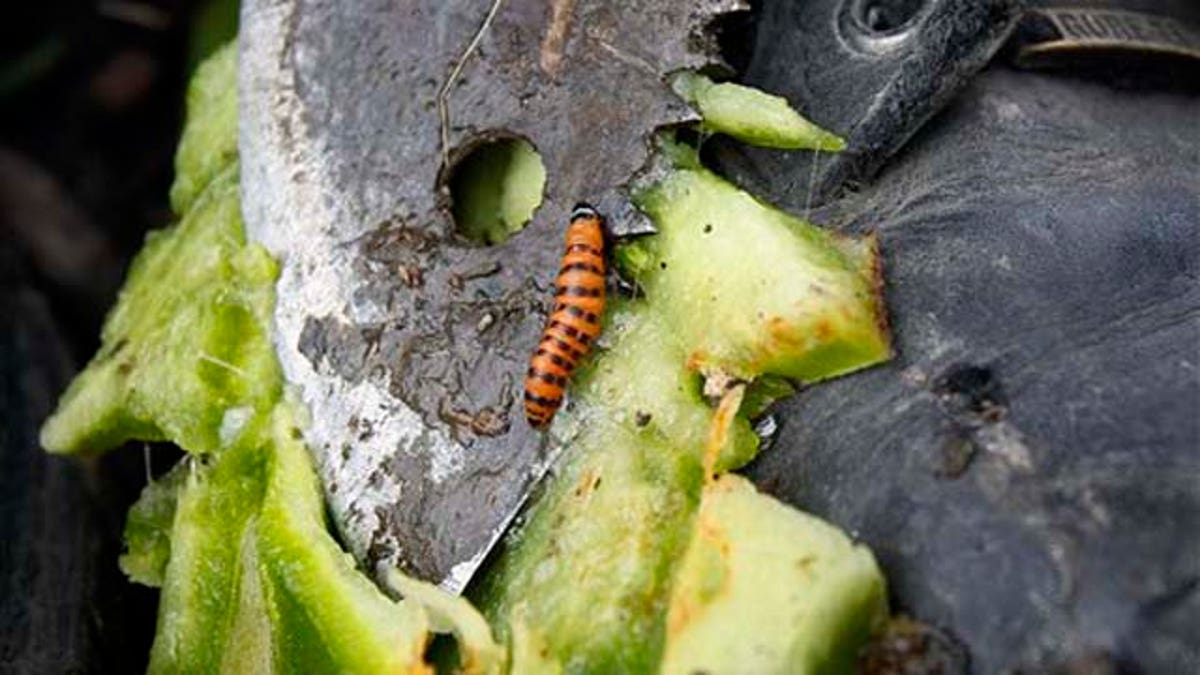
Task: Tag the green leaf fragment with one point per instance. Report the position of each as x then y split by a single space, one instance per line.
255 583
591 571
752 116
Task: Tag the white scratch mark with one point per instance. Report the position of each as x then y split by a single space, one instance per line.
223 364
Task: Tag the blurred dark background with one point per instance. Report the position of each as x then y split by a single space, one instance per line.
91 106
91 103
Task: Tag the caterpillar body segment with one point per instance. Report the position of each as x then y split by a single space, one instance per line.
574 324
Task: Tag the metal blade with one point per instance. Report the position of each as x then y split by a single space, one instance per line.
407 343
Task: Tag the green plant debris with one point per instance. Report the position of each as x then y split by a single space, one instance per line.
211 540
148 528
733 290
771 293
591 571
209 141
763 392
185 352
326 616
799 595
495 190
252 580
752 116
453 615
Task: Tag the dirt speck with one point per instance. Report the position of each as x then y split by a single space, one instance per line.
955 456
909 647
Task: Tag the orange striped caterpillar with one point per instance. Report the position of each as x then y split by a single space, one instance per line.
575 322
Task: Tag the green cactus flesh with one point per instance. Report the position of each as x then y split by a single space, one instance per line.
733 289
